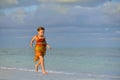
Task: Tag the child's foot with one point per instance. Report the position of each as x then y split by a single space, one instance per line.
36 68
45 73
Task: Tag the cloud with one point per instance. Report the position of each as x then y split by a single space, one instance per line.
91 3
77 14
58 14
54 8
87 21
23 3
61 9
19 16
115 38
8 3
16 16
118 32
112 10
59 1
74 2
64 1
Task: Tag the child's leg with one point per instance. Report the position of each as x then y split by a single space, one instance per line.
36 66
42 64
37 56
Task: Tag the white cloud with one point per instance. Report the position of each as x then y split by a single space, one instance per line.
59 1
73 2
118 32
112 11
7 3
115 38
18 16
55 8
111 8
58 14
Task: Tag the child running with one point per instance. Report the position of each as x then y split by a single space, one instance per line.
40 48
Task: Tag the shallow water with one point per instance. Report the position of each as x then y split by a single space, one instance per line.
62 64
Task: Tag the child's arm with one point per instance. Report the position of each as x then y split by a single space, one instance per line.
48 46
32 40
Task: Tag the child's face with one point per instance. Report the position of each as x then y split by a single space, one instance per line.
41 32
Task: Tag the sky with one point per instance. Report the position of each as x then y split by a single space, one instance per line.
68 23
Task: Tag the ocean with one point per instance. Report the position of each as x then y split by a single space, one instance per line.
61 64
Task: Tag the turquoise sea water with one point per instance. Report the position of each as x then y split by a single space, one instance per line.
62 64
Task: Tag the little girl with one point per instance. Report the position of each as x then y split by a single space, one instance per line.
40 48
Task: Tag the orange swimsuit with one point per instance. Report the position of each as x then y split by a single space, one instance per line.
40 48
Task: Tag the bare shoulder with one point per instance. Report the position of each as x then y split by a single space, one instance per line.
34 37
